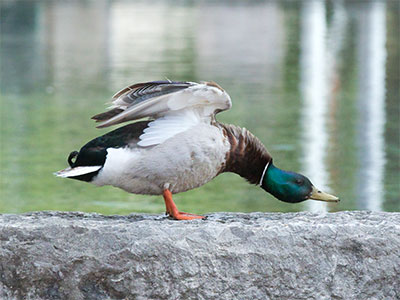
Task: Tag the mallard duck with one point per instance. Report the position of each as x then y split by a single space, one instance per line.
180 147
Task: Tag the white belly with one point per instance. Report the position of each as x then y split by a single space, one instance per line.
183 162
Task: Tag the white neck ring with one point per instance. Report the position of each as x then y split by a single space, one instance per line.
263 173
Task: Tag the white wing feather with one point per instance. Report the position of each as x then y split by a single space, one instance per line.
169 125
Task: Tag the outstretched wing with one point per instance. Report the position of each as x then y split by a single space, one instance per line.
160 98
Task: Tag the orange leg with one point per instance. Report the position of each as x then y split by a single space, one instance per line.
172 210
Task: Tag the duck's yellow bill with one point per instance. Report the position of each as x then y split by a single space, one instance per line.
316 194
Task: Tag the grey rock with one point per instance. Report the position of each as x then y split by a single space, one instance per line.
65 255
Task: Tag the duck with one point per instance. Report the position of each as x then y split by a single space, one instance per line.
176 144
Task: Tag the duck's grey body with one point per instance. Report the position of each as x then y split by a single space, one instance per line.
181 148
180 163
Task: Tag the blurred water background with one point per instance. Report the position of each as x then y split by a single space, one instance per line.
316 81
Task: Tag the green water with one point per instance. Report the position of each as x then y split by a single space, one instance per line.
317 82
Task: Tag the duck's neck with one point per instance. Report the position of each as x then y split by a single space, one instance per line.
247 156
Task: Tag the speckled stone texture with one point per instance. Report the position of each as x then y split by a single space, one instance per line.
58 255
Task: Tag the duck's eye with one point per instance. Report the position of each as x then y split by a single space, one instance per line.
299 181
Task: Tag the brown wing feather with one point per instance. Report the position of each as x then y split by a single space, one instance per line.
129 88
137 93
107 115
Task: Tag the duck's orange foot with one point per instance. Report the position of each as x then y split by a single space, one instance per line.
185 216
172 210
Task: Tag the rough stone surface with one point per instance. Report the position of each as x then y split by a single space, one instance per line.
58 255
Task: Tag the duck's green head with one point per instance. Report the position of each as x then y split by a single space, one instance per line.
292 187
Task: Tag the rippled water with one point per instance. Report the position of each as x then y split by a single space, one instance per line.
316 81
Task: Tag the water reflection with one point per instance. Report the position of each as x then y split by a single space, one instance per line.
314 93
19 43
308 78
77 41
320 59
371 105
155 40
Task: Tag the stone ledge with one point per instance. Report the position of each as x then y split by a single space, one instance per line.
66 255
